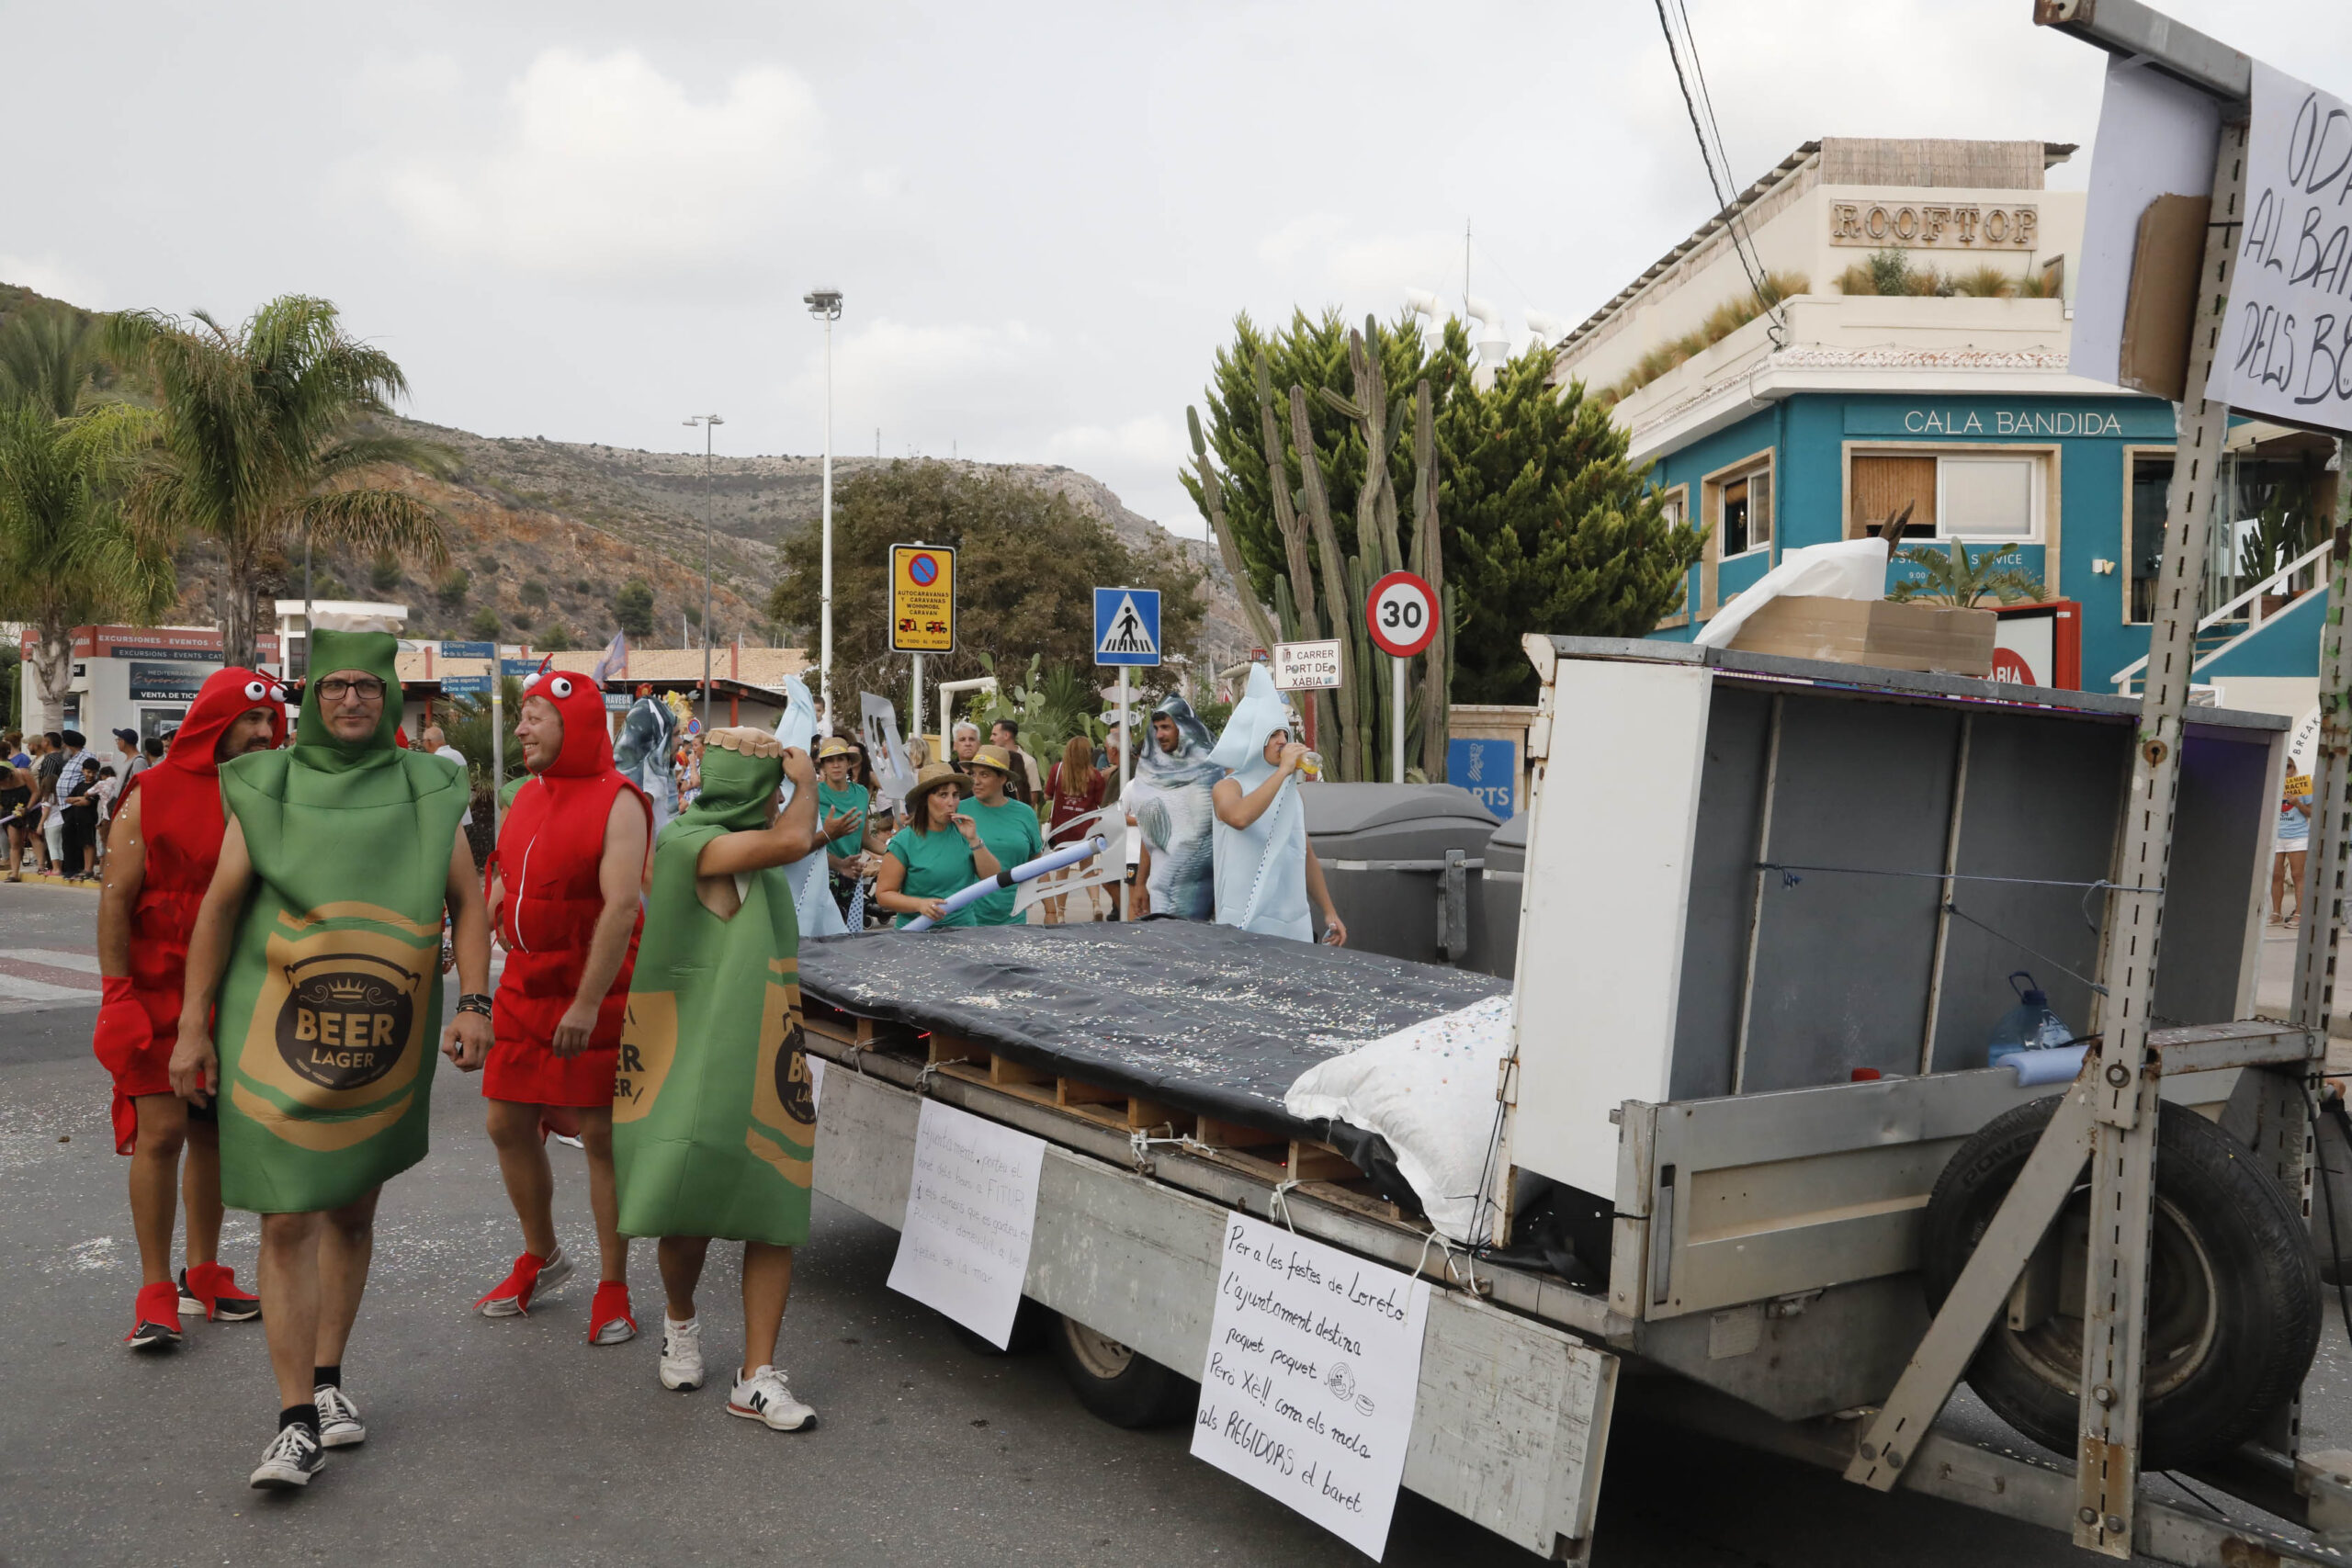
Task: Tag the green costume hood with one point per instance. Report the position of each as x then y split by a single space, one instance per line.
738 791
378 654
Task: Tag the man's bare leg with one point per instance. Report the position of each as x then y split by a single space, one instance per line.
523 1162
201 1190
767 1284
289 1297
155 1182
346 1246
681 1258
604 1196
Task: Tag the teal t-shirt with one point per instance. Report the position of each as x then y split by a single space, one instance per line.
1010 832
832 802
939 865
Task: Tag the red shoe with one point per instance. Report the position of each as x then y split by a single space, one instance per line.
609 1322
213 1291
530 1276
155 1319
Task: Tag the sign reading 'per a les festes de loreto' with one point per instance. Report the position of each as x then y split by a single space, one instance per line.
2287 348
1313 1368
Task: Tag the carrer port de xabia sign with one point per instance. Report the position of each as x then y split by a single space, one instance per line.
922 599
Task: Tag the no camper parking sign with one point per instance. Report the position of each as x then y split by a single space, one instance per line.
922 599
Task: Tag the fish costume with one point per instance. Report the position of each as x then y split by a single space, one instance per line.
1177 817
812 876
1261 869
330 1001
713 1122
549 863
181 824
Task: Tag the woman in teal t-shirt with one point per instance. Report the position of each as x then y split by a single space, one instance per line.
1007 827
937 854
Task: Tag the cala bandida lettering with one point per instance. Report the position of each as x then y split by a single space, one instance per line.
2011 421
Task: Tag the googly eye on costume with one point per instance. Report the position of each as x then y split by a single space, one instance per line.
256 691
559 686
277 693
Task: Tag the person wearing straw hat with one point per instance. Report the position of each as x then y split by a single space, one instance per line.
937 854
841 807
1008 827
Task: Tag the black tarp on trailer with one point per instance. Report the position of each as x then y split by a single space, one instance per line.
1205 1018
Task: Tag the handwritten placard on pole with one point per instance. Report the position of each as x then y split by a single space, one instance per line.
970 1209
2287 345
1313 1366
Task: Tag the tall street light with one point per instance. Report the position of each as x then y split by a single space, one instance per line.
709 422
825 305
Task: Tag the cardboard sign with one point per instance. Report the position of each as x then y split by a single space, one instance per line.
2298 784
971 1206
1313 1372
922 599
2286 347
1306 666
877 725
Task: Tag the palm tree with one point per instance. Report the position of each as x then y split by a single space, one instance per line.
261 437
68 555
48 357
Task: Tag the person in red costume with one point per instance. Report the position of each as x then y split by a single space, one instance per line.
165 838
565 887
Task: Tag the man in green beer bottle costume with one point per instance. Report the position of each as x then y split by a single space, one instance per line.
713 1123
313 985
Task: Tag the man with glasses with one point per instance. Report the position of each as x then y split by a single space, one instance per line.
319 939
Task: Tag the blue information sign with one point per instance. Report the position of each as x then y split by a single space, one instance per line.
526 666
465 685
468 649
1127 625
1488 769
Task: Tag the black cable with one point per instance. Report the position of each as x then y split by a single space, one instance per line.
2182 1481
1741 245
1930 875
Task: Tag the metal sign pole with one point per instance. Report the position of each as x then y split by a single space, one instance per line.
497 744
2122 1081
1396 724
1124 723
2321 893
915 708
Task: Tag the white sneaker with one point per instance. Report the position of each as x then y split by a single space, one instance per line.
292 1458
766 1397
339 1422
680 1353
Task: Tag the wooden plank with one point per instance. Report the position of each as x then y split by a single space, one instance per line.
946 1047
1075 1091
1145 1114
1233 1135
1004 1070
1311 1159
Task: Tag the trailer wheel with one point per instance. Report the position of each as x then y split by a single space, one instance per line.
1117 1383
2233 1306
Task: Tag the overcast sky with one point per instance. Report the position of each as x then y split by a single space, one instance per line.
591 220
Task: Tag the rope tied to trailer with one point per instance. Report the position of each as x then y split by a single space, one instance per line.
1140 1143
1791 876
1468 1277
1278 1210
923 1075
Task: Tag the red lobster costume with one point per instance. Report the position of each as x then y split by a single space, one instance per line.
550 849
182 823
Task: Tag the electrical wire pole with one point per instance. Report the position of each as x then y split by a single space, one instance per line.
825 304
709 422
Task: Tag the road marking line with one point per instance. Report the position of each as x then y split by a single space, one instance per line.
59 957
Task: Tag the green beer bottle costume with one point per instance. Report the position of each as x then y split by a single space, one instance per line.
330 1005
713 1124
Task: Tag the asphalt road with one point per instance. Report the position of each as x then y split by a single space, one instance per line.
513 1442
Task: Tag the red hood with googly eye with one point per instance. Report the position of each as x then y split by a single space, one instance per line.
225 695
587 750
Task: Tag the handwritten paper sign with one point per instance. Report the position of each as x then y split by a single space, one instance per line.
2287 347
970 1209
1314 1365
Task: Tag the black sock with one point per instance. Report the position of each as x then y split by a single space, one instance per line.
327 1377
299 1415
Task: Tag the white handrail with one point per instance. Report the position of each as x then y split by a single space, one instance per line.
2123 677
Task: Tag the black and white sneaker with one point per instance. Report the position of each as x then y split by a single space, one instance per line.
292 1458
339 1422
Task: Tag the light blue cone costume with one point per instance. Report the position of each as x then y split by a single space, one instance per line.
812 898
1261 869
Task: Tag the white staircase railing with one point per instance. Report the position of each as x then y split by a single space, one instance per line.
2252 595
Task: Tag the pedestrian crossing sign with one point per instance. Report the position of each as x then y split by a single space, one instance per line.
1127 625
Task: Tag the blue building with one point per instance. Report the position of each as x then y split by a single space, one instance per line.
1919 360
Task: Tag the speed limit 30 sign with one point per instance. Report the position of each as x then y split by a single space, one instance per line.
1402 615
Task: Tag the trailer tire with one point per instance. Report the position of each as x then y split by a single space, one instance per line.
2233 1299
1122 1385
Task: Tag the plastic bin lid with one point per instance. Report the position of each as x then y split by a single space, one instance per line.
1352 808
1513 834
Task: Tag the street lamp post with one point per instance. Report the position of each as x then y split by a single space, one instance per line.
825 305
708 422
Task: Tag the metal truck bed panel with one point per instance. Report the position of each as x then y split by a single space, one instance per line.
1513 1415
1203 1018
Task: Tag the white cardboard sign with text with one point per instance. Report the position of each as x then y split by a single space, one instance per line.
971 1207
2287 346
1313 1370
